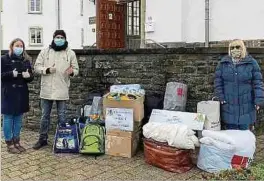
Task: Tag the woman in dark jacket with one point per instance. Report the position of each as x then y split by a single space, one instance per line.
16 72
239 86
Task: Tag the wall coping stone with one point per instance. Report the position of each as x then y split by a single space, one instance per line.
196 50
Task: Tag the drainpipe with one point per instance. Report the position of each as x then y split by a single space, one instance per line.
207 23
1 38
142 23
58 15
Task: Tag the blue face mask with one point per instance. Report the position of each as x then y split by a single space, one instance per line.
18 51
59 42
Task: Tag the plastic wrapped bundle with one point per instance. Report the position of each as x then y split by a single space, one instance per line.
175 96
134 89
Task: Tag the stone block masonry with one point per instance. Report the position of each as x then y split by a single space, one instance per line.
152 68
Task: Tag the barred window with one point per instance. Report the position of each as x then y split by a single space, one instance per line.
133 18
36 36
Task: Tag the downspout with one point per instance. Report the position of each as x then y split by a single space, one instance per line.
58 15
207 15
142 23
1 38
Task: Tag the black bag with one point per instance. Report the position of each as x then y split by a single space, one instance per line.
91 95
152 101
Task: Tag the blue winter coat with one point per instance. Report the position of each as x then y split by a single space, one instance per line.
14 91
241 87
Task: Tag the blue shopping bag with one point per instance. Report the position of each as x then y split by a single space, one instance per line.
66 139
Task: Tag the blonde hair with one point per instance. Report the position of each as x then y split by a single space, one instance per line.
24 54
241 44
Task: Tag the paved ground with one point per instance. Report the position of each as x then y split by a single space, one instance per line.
44 165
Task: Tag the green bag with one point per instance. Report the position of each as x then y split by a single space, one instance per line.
93 139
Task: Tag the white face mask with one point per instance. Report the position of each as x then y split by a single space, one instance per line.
236 51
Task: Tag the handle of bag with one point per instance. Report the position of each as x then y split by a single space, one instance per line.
214 98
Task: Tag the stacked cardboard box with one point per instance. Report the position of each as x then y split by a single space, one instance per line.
120 142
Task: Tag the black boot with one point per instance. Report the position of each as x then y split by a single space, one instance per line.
17 144
40 144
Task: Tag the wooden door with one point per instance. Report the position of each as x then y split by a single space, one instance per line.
110 23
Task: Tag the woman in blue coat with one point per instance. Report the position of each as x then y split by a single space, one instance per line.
16 72
239 86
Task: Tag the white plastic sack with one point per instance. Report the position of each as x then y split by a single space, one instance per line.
178 136
212 159
243 141
212 111
175 96
220 149
219 136
217 144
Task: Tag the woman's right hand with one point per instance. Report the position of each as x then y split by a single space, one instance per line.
223 102
257 107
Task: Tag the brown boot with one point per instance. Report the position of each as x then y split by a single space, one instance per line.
11 148
17 145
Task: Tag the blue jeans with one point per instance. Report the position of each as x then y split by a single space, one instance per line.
12 126
237 127
46 106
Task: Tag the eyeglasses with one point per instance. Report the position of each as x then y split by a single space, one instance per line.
235 47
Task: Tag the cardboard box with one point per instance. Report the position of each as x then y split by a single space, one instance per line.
137 106
122 143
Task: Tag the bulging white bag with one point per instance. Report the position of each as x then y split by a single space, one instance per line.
212 111
226 149
243 140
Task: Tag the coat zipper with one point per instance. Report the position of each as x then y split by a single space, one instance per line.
237 93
